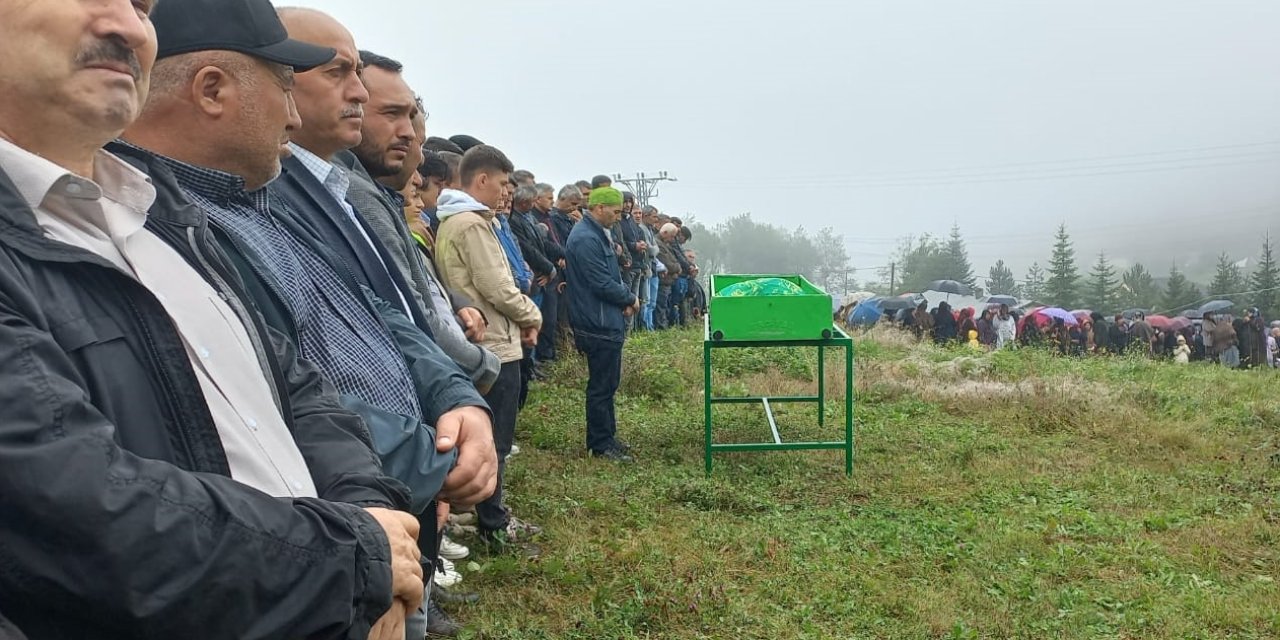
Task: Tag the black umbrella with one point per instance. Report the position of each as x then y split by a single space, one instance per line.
1133 313
1216 306
1009 300
949 287
895 304
1193 314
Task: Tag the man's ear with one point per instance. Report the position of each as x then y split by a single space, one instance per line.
211 89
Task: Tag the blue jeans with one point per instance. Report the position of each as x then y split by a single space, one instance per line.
650 302
604 374
679 289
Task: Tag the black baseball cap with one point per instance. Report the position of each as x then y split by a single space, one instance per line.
250 27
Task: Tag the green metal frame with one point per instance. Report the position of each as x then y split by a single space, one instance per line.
838 339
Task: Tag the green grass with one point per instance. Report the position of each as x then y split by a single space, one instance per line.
1011 495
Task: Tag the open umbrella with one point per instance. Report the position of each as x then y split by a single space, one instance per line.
1159 322
949 287
1009 300
1217 305
1179 324
896 304
1194 314
866 313
1133 313
1058 313
1081 314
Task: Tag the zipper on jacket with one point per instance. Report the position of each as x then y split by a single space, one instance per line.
238 306
168 390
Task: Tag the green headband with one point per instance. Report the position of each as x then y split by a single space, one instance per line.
607 196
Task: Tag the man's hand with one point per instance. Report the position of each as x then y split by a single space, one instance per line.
561 287
406 560
475 476
560 262
627 312
617 249
442 514
542 281
391 625
472 322
529 336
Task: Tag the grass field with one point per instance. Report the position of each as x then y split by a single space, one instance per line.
1009 495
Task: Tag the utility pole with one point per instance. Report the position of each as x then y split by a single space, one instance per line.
645 187
893 277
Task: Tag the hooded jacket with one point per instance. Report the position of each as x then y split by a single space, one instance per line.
470 258
107 447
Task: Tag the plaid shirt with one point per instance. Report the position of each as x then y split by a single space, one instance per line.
338 333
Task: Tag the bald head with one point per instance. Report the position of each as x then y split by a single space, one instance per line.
330 97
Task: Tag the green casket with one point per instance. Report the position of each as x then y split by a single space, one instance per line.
768 312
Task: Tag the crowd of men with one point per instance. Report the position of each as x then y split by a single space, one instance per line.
261 339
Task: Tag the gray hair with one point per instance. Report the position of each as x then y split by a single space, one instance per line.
648 209
525 194
570 192
543 187
669 228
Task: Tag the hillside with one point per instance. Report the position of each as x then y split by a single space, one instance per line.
1009 495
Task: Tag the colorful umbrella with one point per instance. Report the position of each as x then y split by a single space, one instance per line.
1081 314
1159 322
1179 324
1058 313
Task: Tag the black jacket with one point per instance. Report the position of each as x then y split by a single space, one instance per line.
118 517
631 237
532 246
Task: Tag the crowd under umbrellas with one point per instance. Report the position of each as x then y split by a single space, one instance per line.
1218 331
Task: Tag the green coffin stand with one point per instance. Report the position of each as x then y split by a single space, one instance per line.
769 317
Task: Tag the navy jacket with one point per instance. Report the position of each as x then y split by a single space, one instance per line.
596 293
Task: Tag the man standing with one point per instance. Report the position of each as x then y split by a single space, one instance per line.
638 252
539 219
599 303
649 289
212 469
1144 335
671 272
1006 328
471 259
564 216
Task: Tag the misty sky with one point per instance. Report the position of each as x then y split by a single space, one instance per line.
1150 127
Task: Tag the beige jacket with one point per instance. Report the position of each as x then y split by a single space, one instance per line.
470 259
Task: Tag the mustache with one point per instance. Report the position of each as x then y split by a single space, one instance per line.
354 111
110 50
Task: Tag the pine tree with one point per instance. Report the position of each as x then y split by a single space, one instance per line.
1102 293
957 259
1138 290
1000 280
1179 292
1265 279
1062 287
1033 284
1229 279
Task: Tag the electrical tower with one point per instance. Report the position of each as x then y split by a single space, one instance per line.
645 187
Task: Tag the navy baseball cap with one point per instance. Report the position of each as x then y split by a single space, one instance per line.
250 27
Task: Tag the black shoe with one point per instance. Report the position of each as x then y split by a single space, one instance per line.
613 455
439 624
449 596
622 444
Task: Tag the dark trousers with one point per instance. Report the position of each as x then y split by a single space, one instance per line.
527 366
679 291
550 308
604 373
503 400
662 313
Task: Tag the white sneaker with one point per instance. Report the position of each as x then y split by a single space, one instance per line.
446 575
515 449
451 550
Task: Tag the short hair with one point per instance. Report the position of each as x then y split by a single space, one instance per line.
436 143
685 233
601 181
174 74
371 59
543 187
569 192
677 221
465 142
525 194
434 166
454 160
648 209
583 184
669 228
522 174
483 158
